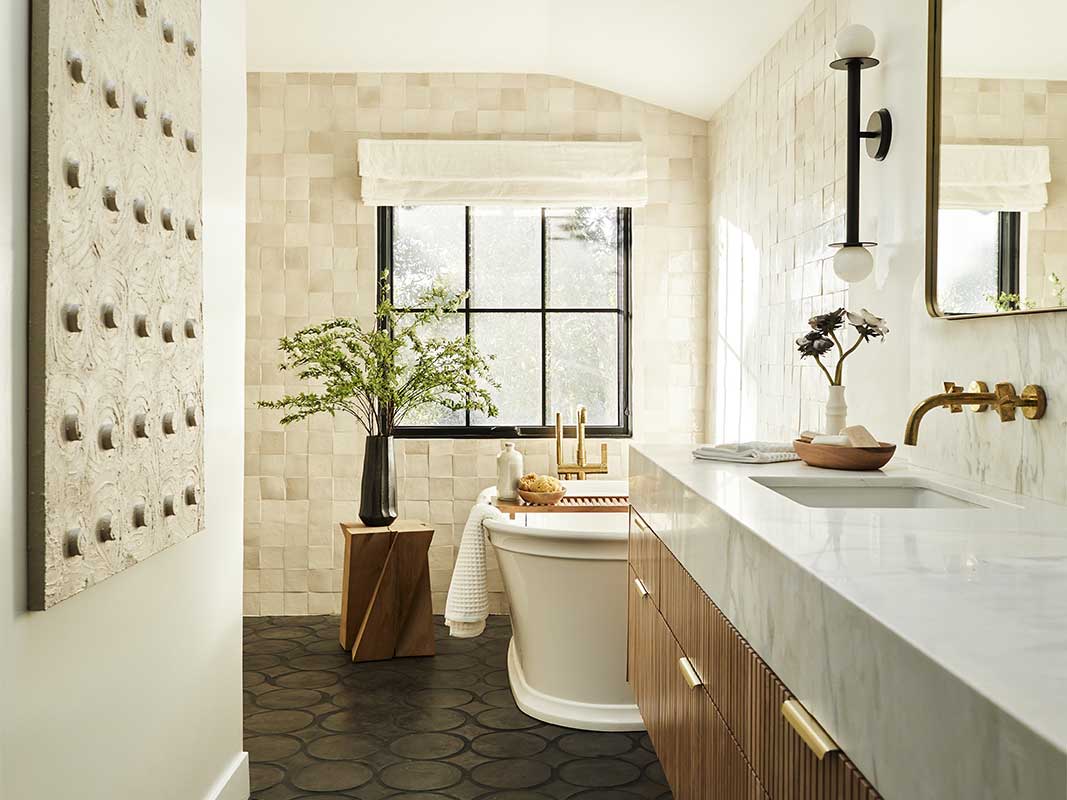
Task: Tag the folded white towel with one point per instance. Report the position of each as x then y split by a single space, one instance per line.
467 605
747 452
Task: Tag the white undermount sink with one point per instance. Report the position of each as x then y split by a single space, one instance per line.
916 493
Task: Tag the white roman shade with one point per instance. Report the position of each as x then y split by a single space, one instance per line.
502 173
994 177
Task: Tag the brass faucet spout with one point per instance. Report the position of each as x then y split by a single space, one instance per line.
944 400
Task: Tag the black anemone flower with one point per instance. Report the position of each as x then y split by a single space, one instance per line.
813 343
825 323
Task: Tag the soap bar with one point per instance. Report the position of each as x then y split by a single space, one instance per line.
858 436
835 440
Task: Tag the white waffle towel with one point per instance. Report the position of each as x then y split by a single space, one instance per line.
747 452
468 597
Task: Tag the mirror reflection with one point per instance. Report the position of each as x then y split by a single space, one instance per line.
1002 211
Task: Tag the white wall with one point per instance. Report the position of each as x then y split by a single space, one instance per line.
685 55
132 689
988 39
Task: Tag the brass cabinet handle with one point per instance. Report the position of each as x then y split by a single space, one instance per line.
808 729
642 590
640 524
692 677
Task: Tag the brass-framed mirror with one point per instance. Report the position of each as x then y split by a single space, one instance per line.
996 195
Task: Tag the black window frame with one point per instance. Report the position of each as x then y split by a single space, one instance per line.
1009 257
623 430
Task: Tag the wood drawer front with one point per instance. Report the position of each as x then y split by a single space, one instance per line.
699 756
646 554
685 608
749 696
787 767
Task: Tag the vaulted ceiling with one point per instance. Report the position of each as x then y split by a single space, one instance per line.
687 55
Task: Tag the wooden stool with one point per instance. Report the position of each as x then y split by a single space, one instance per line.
385 598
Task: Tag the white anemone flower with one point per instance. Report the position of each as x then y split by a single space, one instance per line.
867 323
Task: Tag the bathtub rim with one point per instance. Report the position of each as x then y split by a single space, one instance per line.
547 543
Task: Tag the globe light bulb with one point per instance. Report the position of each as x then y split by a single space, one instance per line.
853 264
855 41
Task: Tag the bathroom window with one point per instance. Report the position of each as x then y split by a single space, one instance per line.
549 296
980 258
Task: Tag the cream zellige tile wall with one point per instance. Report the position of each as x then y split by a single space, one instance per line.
311 256
777 174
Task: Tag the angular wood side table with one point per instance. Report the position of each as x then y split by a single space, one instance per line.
385 597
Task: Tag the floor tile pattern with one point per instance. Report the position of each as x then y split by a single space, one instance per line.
318 726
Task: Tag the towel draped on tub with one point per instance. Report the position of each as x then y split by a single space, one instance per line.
467 606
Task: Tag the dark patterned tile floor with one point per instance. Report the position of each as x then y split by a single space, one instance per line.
319 726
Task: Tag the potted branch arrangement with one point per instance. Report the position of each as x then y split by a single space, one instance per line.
822 339
379 374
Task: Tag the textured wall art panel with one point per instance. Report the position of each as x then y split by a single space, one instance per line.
116 368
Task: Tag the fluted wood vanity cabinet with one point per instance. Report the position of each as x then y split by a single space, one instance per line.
724 738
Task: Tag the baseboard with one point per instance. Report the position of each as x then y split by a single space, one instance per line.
233 783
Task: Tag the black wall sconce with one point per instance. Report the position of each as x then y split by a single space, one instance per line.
853 261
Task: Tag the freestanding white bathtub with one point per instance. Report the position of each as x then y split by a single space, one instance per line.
565 577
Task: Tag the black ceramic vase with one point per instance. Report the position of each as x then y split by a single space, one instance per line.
377 504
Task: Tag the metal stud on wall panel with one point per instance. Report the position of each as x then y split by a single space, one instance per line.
115 273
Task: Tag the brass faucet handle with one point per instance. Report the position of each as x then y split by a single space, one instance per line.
952 388
978 387
1006 401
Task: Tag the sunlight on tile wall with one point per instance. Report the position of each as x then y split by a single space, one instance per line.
311 256
777 175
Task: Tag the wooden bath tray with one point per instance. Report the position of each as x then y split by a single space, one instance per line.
569 504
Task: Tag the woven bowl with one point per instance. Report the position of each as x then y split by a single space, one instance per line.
541 498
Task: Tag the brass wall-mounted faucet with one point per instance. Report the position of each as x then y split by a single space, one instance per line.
579 470
978 398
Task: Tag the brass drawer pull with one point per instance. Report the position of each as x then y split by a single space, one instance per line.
640 524
808 729
642 590
692 677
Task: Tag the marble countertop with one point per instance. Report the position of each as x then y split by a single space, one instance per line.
981 592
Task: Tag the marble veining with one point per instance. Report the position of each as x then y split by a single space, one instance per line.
930 642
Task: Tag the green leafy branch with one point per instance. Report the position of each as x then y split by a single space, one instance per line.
380 375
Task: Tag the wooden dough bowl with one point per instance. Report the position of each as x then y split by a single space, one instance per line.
828 456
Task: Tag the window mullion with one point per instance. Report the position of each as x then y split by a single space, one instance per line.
467 287
544 319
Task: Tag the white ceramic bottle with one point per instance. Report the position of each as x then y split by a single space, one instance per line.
508 471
